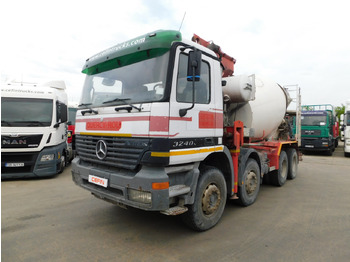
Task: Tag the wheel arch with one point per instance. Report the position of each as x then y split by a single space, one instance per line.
290 145
223 162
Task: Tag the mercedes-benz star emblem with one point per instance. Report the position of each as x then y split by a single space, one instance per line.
101 149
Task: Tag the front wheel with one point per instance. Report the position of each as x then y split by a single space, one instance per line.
62 164
329 152
209 200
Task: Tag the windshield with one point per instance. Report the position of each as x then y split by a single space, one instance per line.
313 120
136 83
26 112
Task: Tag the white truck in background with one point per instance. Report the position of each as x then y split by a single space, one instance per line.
346 129
33 129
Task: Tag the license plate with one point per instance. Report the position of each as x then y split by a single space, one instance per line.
14 164
310 146
98 181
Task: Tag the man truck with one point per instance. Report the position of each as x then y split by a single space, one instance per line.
319 128
163 125
33 129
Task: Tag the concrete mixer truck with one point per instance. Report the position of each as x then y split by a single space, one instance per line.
163 125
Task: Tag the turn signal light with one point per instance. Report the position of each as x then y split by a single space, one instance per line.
160 185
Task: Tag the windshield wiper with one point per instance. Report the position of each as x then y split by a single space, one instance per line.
87 104
90 110
34 123
30 123
123 100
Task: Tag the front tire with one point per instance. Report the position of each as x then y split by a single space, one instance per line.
209 201
62 164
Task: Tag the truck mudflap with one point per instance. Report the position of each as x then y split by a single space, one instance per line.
147 189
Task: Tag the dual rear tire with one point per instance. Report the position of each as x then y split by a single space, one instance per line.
211 193
288 167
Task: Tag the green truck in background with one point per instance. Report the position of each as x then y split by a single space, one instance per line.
319 128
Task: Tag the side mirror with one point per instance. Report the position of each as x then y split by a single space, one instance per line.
61 114
193 75
194 65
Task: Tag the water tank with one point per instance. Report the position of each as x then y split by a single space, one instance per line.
239 88
265 113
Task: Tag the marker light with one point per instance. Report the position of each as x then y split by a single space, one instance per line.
160 186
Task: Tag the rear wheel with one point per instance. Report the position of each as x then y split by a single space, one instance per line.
292 163
279 176
248 191
209 201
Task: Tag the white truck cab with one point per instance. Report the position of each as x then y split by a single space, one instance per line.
33 129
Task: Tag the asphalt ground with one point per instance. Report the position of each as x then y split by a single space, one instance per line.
308 219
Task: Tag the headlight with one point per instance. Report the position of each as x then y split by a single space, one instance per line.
47 157
140 196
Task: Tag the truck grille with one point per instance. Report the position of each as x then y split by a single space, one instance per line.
22 141
310 132
121 152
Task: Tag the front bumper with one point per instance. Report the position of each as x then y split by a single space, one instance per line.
121 181
29 164
309 144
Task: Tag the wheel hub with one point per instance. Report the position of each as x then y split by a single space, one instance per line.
211 199
251 182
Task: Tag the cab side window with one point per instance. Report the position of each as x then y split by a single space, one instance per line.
184 87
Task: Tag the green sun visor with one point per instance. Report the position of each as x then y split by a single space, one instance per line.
135 50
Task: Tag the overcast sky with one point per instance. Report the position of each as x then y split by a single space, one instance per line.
299 42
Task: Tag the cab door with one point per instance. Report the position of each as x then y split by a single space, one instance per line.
195 132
